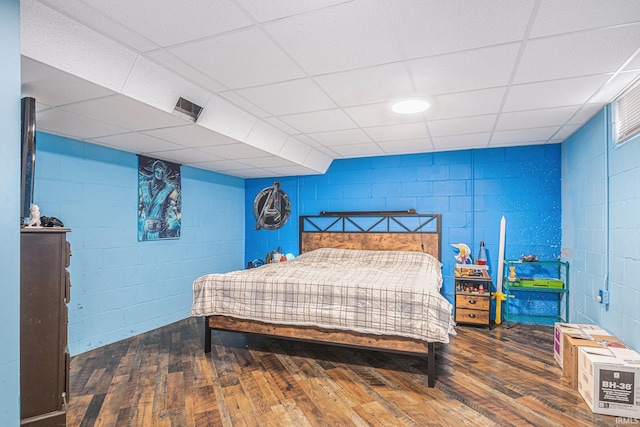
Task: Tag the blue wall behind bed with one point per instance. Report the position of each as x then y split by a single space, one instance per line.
472 189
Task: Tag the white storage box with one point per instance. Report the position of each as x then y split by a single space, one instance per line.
609 380
575 329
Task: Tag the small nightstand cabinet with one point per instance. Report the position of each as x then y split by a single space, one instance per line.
473 299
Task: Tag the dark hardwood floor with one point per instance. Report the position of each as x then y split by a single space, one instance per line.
499 377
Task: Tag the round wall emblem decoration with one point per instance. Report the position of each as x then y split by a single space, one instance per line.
271 207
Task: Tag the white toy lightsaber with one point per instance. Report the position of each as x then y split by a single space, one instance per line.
503 226
499 295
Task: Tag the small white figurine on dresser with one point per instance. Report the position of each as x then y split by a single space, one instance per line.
34 221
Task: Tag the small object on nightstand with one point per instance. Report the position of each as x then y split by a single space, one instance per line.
482 255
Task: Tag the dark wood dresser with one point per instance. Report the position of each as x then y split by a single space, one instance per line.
44 358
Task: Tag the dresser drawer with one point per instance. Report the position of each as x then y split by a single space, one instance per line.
465 315
474 302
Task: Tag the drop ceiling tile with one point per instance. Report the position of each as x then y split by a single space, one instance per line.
183 156
181 68
243 103
234 151
223 117
554 93
463 104
58 121
127 112
306 139
268 162
536 118
266 137
90 17
350 35
407 146
250 58
319 121
290 171
318 160
40 106
380 114
341 137
358 150
555 17
566 132
221 165
57 40
463 125
168 22
585 113
615 87
468 70
295 151
152 84
523 135
279 124
634 64
253 173
579 54
517 144
367 85
460 142
191 135
53 87
135 142
428 28
290 97
265 11
397 132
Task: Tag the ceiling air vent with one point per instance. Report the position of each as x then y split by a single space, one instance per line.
187 110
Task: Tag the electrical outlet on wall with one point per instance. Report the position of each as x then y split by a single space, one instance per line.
603 297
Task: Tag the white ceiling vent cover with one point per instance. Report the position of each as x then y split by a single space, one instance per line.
187 110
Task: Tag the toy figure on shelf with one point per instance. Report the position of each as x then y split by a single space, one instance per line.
34 221
464 254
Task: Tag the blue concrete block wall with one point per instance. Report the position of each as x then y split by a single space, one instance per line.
9 225
122 287
472 189
601 200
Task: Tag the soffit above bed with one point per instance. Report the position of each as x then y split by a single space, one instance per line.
288 86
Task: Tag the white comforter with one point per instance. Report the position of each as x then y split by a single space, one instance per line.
376 292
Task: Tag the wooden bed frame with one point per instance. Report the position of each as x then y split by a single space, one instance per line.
381 230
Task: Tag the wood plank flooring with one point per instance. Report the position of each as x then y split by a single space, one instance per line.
499 377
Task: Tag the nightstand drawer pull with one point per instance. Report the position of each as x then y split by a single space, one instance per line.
472 301
473 316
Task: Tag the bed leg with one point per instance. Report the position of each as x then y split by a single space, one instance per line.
431 365
207 335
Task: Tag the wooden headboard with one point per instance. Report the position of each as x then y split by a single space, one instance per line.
373 230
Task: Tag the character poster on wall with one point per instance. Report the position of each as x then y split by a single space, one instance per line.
271 207
159 199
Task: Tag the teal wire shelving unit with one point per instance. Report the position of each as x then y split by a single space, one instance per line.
526 299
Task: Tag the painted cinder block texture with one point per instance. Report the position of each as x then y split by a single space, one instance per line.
472 189
600 205
122 287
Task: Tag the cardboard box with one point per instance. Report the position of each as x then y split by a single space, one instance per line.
562 328
609 380
572 342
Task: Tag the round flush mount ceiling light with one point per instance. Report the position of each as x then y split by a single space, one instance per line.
410 106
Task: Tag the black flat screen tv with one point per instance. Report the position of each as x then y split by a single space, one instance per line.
28 164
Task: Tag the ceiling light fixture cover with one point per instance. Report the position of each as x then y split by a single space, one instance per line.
410 106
